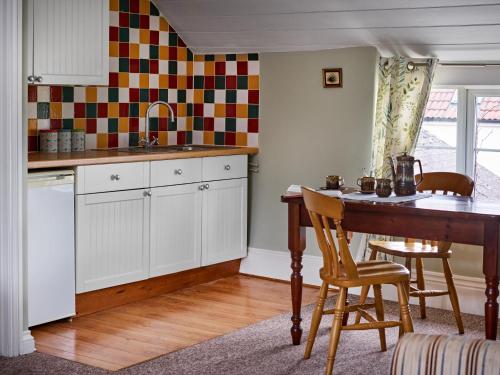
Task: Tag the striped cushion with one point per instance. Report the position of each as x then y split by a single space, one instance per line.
445 355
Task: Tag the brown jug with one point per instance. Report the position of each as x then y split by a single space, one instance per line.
403 174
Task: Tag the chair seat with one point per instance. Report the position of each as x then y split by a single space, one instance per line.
409 249
370 272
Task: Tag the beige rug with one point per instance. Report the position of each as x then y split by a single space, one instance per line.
264 348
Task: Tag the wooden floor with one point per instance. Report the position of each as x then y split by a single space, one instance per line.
133 333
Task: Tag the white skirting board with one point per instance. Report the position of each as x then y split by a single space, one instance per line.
276 265
27 343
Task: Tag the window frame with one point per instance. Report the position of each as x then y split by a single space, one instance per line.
471 146
466 124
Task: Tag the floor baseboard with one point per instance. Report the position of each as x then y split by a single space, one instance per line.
27 343
276 265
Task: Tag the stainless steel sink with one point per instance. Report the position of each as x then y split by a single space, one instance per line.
173 148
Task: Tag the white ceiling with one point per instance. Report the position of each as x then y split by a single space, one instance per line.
453 30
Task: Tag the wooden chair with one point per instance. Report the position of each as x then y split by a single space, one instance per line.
341 271
446 182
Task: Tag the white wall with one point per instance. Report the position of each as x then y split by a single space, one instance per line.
12 341
308 132
449 75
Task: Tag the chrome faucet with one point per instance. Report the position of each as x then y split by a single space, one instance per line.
145 141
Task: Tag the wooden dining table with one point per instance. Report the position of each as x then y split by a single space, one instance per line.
443 218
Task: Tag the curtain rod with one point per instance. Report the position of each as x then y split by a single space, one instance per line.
480 65
411 65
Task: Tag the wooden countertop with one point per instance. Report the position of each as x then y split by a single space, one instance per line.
39 160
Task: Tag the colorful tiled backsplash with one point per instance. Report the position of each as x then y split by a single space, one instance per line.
226 99
215 97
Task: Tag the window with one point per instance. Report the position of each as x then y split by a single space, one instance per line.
461 132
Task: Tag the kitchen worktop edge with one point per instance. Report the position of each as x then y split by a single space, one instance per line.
41 160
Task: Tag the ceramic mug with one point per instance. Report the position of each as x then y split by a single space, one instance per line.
384 188
367 184
334 182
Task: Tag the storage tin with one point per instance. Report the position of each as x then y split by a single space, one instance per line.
64 140
48 140
78 140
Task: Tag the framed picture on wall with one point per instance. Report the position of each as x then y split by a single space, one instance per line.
332 77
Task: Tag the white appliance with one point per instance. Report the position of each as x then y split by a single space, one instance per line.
51 246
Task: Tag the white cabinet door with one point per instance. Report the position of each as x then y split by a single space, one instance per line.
68 41
112 239
175 229
224 226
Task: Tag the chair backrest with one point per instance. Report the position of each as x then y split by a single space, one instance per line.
447 183
324 210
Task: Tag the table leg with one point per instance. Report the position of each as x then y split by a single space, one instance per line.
296 244
491 267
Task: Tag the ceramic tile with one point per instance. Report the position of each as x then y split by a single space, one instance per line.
43 94
148 61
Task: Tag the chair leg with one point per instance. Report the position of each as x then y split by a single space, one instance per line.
408 264
345 319
406 321
379 309
453 295
407 291
336 328
364 290
316 319
421 286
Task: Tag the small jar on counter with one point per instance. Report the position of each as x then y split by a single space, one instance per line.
64 140
78 140
48 140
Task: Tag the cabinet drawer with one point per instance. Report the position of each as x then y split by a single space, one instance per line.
224 167
112 177
175 172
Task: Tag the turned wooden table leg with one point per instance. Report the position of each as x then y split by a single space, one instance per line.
296 244
491 266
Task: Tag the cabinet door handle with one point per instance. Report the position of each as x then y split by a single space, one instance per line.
148 193
115 177
207 186
227 167
178 171
38 79
201 187
31 79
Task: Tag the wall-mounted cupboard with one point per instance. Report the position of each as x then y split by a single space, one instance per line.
147 219
67 42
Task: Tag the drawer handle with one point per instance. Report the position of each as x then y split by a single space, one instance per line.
201 187
148 193
207 186
115 177
227 167
178 171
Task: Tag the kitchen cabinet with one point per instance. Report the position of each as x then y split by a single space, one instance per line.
67 42
223 194
112 238
175 243
224 226
147 219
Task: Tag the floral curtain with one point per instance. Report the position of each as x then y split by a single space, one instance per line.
403 90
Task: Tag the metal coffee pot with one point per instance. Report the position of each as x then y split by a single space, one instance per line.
403 174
